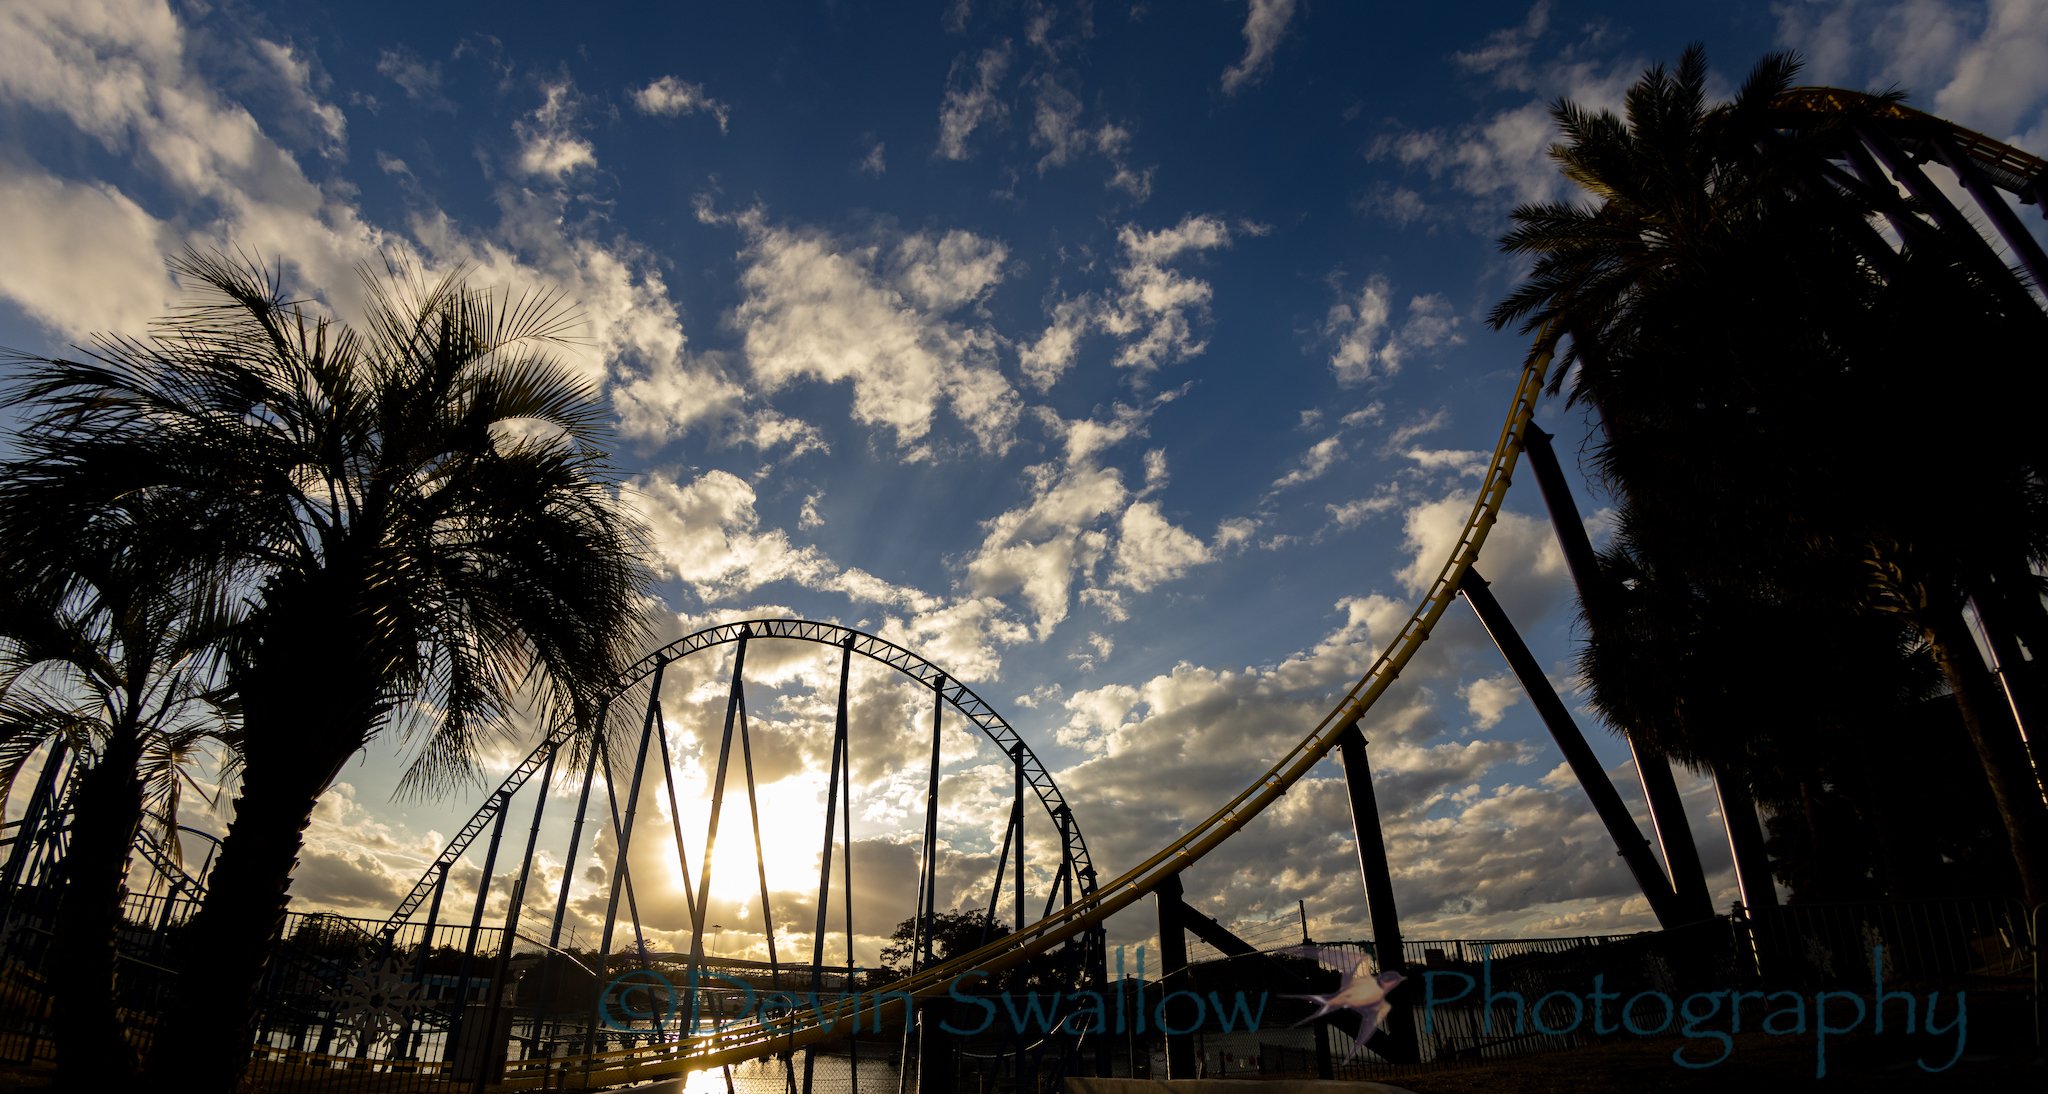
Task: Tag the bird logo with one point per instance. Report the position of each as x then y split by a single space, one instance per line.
1360 992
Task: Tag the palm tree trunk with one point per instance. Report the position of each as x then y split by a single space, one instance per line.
2006 765
204 1041
93 1052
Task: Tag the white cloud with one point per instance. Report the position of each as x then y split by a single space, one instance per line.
548 146
1426 424
420 79
672 97
879 317
1468 462
1098 648
1046 359
1233 533
1353 513
1369 414
1057 131
875 162
1155 471
1265 23
1522 560
121 77
296 76
707 533
971 100
1080 514
1489 697
1503 156
82 257
1156 308
1359 327
1151 550
1320 457
962 636
1038 550
1369 344
126 79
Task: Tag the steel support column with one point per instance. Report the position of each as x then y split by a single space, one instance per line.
1992 202
928 891
2017 677
402 1047
1745 842
1173 964
568 874
675 813
1400 1041
760 855
611 914
927 899
512 910
1621 827
1951 219
1596 593
825 855
735 695
476 924
846 863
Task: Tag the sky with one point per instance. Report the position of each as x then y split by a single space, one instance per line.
1127 360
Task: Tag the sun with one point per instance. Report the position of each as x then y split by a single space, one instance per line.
792 830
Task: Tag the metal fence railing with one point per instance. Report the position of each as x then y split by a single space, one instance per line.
345 1008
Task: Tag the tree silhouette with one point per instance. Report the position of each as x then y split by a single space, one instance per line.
411 520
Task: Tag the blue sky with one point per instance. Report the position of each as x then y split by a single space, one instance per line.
1129 361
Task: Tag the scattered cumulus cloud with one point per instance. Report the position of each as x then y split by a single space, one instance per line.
300 85
1151 550
708 534
1058 134
890 317
419 78
1320 457
1155 311
672 97
1368 341
1265 23
549 145
971 101
1502 156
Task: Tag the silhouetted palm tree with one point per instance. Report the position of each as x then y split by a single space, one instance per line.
413 518
121 668
1751 343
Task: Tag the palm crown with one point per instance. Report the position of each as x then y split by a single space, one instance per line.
415 513
1747 337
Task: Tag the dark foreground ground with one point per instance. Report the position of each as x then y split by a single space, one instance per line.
1759 1065
1997 1057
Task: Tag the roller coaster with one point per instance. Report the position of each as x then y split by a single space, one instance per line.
1884 145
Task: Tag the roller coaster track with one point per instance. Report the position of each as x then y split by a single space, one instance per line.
2011 169
956 694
